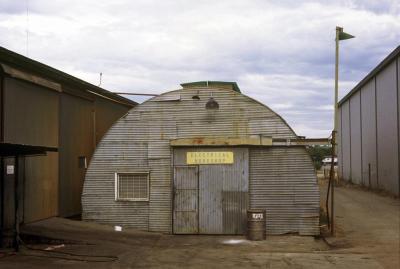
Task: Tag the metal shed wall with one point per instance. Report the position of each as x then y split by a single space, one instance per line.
339 143
386 102
380 136
76 139
140 142
34 108
355 138
282 183
106 112
36 113
368 132
346 140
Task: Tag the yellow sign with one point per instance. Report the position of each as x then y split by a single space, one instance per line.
205 157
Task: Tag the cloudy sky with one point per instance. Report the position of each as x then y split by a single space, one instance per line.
279 52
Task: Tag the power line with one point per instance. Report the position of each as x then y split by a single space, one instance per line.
27 28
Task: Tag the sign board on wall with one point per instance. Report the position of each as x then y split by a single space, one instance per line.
209 157
10 169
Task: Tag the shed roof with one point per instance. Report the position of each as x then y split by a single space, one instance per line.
27 64
207 83
393 55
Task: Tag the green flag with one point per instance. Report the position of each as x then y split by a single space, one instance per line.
343 35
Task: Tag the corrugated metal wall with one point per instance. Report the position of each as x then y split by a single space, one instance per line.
387 129
140 141
283 184
346 141
370 132
339 143
355 138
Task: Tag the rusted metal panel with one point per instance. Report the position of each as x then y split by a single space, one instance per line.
368 131
387 132
355 136
284 184
186 197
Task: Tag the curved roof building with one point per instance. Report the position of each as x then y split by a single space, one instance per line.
194 160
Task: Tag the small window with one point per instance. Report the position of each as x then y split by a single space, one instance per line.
132 186
82 163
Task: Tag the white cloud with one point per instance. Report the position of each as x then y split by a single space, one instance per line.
280 53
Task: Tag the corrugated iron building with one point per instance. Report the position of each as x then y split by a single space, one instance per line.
192 161
368 133
42 106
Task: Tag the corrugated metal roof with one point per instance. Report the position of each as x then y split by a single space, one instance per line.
24 63
393 55
208 83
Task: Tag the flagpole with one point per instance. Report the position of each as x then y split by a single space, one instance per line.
340 35
334 132
338 30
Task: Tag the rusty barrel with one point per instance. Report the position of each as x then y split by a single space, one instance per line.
256 224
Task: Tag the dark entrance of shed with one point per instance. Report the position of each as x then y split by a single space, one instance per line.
210 190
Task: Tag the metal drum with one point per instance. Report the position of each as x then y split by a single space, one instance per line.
256 224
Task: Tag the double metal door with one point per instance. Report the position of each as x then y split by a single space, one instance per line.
211 199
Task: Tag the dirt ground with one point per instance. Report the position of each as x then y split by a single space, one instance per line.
368 237
368 223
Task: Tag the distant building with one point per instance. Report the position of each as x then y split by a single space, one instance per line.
326 166
328 161
42 106
368 133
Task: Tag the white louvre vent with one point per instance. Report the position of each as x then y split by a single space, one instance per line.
132 186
